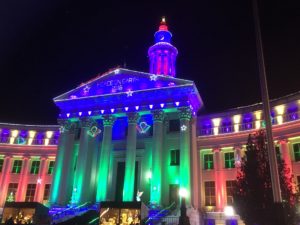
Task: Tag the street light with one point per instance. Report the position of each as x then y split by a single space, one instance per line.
183 219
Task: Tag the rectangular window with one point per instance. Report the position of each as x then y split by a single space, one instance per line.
47 192
30 192
174 125
1 164
17 166
230 185
35 167
175 157
296 148
12 190
231 222
208 161
51 167
278 153
210 193
229 159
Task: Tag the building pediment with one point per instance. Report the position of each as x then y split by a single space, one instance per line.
127 88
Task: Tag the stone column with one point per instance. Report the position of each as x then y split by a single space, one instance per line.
22 186
286 156
4 179
104 160
82 179
40 185
195 167
185 151
157 140
219 179
128 189
62 182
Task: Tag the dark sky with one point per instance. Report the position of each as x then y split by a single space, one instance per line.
49 47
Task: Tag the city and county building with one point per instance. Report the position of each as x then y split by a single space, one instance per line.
127 131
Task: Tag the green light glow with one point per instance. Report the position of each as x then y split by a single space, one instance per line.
103 169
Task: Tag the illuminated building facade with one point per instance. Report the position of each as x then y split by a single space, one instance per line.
127 131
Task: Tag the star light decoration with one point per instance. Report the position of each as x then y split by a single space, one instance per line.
153 77
129 93
61 129
39 181
183 128
86 89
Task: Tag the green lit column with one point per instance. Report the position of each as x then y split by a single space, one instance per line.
82 179
63 174
156 183
185 151
128 189
103 162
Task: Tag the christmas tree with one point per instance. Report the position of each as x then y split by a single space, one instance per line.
253 199
10 197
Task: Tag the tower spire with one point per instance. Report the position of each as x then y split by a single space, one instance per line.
162 54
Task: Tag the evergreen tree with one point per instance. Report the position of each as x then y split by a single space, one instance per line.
253 199
10 197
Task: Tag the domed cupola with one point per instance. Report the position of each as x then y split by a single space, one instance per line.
162 54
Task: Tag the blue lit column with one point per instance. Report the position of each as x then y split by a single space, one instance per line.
62 183
185 151
128 190
103 162
156 184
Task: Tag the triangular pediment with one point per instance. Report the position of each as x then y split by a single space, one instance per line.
121 87
120 81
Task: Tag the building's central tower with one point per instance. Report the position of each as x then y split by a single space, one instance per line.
163 54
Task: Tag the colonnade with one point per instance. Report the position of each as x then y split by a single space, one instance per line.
90 179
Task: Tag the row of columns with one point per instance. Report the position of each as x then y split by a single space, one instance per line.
63 185
219 175
23 181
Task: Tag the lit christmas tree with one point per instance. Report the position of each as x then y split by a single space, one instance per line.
74 200
10 197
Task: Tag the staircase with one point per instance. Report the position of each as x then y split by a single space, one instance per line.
61 214
158 215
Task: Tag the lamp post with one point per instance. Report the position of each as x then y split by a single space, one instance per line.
183 219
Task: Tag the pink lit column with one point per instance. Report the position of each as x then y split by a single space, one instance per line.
40 185
219 179
20 197
195 166
286 156
4 179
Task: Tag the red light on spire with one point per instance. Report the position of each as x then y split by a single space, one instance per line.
163 24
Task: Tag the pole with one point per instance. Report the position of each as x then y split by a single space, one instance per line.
266 108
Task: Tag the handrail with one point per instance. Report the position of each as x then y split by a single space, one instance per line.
71 208
160 212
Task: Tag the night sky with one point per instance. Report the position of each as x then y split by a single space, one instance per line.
49 47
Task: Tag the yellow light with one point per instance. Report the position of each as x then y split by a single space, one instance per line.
279 119
32 133
14 133
183 192
11 140
216 122
46 141
257 124
237 119
49 134
257 115
280 109
30 141
163 19
228 211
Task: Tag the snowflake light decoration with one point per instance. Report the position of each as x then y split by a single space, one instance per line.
183 128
